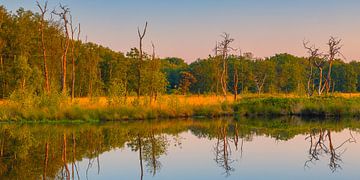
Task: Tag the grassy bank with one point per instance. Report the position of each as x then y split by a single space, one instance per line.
95 109
331 106
173 106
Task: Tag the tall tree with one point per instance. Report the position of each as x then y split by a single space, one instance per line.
141 37
73 30
63 15
334 50
313 56
43 9
224 48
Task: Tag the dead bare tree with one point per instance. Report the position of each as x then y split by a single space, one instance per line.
224 49
259 82
153 64
319 63
73 30
141 37
63 15
334 50
43 9
313 56
217 63
319 147
222 151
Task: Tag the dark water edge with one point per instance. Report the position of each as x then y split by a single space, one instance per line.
61 150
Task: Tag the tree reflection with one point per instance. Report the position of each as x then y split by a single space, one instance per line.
48 151
150 147
222 150
154 147
321 144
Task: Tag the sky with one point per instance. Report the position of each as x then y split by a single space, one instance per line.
189 29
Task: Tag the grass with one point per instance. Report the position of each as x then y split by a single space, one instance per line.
327 106
94 109
177 106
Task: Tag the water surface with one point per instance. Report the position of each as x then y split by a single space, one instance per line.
284 148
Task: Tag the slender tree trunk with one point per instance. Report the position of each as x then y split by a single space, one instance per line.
223 79
3 76
64 70
236 136
140 158
236 81
74 156
309 87
320 81
46 159
73 80
63 15
141 37
64 157
46 73
329 81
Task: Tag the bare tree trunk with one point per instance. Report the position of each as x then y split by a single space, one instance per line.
73 58
74 156
328 80
224 48
236 136
46 73
46 159
260 84
334 50
236 82
141 37
63 15
320 81
314 60
140 158
64 158
310 79
223 79
3 76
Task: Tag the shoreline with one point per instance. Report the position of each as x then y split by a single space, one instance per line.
267 106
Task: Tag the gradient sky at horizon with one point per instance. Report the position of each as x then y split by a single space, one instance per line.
190 28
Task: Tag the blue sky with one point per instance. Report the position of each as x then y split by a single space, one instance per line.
190 28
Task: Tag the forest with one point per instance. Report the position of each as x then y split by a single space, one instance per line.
43 60
71 108
41 55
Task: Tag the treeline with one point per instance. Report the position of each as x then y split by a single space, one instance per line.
42 56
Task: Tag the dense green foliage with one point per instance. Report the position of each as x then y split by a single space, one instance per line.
99 70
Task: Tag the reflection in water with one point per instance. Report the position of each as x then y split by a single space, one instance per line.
150 147
223 150
55 151
321 144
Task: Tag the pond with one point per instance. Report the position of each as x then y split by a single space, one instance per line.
258 148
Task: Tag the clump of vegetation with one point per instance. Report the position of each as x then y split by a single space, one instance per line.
301 106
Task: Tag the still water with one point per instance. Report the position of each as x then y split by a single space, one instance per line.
284 148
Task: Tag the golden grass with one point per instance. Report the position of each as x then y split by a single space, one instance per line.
193 100
170 106
165 100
